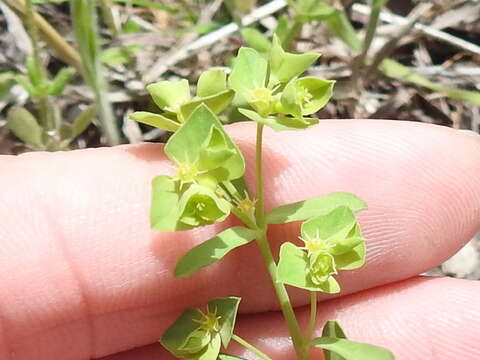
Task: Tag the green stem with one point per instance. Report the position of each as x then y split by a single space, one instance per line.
292 34
282 295
33 32
105 6
313 315
371 29
260 213
250 347
44 106
87 37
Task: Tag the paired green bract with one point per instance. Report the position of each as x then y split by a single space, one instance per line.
198 335
271 88
204 156
331 243
176 103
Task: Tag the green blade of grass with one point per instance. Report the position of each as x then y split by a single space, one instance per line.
148 4
86 34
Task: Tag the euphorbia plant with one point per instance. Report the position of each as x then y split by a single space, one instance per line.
207 186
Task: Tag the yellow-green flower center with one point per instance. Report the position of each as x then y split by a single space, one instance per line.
187 173
209 322
316 244
247 207
262 95
303 96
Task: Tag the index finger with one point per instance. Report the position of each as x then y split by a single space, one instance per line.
82 274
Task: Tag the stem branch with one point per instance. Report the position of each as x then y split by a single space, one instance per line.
313 315
282 295
250 347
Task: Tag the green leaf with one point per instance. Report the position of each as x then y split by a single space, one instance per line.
255 39
229 357
249 72
334 226
294 270
60 81
155 120
164 213
394 69
118 55
282 29
351 350
213 250
333 329
216 103
7 80
352 259
212 350
205 28
82 121
131 27
339 24
169 95
148 4
316 206
309 10
227 309
24 125
196 341
24 82
34 71
187 145
280 122
199 206
211 82
176 335
285 66
306 96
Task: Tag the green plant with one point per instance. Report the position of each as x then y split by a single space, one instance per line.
365 66
208 186
85 26
49 132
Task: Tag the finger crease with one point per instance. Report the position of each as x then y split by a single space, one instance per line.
5 340
77 278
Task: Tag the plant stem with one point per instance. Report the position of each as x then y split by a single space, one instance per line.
33 32
250 347
313 315
262 242
292 34
260 211
86 33
44 106
106 7
371 29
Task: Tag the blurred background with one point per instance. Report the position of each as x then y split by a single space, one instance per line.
71 72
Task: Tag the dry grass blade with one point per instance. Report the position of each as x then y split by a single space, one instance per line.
427 30
184 52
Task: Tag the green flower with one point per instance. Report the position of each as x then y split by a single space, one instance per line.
272 90
176 103
200 206
322 266
306 96
332 242
204 156
196 335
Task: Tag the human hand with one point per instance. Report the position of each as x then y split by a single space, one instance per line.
82 275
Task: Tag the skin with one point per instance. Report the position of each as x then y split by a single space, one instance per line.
83 276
